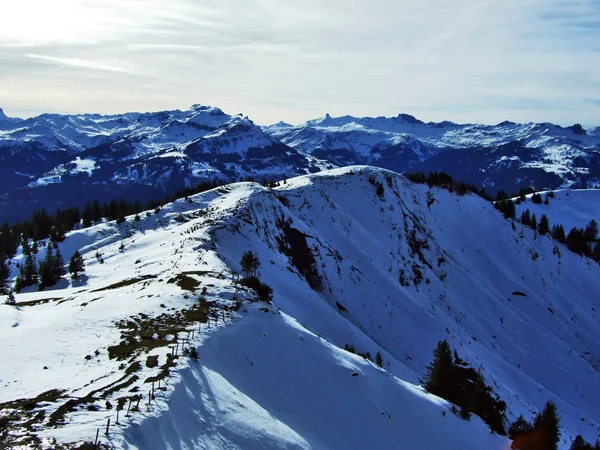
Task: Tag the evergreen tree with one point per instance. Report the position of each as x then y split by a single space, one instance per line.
533 223
440 371
546 424
379 359
591 231
576 241
45 268
544 225
580 444
526 217
596 252
28 275
519 427
76 264
250 264
4 275
558 233
507 208
536 198
58 266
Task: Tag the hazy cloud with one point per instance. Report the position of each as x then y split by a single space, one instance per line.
462 60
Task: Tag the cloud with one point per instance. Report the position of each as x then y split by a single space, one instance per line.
85 63
470 60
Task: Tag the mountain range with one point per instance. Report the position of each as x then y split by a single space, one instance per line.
53 160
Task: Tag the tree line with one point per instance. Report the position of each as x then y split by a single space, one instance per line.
450 377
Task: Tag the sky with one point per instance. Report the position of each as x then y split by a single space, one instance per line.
463 60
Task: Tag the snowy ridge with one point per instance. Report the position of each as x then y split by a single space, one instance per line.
409 265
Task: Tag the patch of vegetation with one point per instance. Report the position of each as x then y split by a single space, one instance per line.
124 283
263 291
450 377
185 282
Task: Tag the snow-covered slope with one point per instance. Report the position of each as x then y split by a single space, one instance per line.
391 269
505 156
569 207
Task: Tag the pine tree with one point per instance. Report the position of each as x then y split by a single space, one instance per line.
526 217
536 198
58 266
544 225
45 268
533 223
519 427
28 275
439 372
580 444
250 264
546 424
591 231
4 275
76 264
558 233
379 359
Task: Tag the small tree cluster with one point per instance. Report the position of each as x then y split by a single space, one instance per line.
579 443
544 433
452 378
51 268
250 265
506 207
28 275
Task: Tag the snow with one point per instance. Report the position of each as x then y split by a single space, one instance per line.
280 378
569 207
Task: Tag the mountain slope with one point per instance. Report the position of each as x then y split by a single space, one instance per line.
356 256
569 207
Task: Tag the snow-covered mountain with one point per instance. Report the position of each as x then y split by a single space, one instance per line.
54 160
506 156
357 257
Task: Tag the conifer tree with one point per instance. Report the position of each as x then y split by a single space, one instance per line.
46 268
379 359
440 370
28 275
533 223
580 444
526 217
76 264
546 425
544 225
58 266
4 275
519 427
558 233
591 231
250 264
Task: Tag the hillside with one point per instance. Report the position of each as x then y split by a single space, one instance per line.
356 256
569 207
